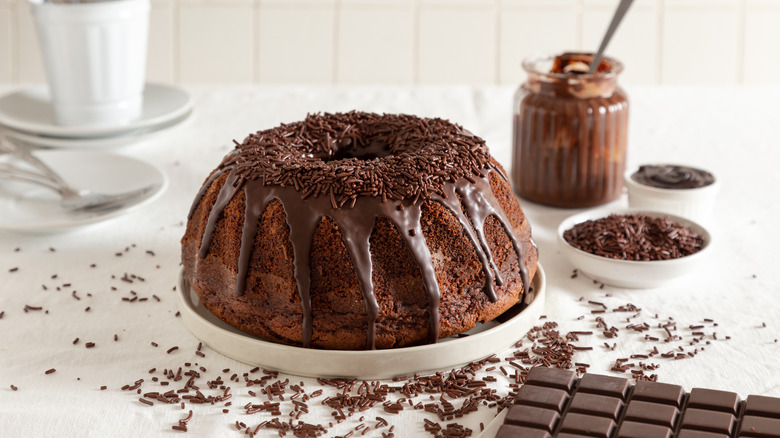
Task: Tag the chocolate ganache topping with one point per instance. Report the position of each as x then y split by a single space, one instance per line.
353 168
668 176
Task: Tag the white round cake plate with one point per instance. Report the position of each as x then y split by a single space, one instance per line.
29 208
112 141
482 341
492 428
30 110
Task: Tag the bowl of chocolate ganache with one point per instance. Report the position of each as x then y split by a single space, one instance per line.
675 189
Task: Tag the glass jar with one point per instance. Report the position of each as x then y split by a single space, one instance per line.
570 132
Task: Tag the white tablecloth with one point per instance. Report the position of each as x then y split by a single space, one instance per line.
731 131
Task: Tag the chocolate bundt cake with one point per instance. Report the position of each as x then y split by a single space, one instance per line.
358 231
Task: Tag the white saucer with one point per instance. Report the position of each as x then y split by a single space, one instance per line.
26 207
122 139
30 110
483 341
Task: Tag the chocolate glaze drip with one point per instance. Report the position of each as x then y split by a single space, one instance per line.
473 224
355 168
355 226
672 177
203 190
229 189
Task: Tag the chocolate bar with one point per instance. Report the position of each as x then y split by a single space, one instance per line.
556 403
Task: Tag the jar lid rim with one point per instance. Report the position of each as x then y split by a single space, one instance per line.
529 65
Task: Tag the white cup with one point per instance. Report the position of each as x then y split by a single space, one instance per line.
95 59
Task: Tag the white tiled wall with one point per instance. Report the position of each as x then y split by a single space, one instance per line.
430 41
375 42
761 57
307 27
714 43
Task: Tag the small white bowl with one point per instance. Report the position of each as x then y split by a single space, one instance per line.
695 204
629 273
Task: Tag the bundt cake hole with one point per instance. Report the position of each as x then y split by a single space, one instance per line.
352 149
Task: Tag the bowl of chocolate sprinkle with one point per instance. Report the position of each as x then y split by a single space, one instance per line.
633 248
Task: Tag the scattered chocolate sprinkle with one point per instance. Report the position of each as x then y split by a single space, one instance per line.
50 370
14 269
14 388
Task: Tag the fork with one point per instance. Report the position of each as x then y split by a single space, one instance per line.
71 198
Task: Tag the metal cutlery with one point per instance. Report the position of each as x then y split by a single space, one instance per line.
620 12
71 198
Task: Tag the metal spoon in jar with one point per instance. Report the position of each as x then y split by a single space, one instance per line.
620 12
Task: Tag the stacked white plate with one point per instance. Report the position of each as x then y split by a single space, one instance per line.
27 115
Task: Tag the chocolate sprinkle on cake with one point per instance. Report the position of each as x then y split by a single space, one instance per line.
323 156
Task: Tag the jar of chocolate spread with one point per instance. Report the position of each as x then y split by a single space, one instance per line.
570 131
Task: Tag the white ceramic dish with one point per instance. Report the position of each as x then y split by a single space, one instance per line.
695 204
629 273
495 424
484 340
123 139
29 208
30 110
